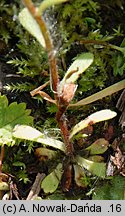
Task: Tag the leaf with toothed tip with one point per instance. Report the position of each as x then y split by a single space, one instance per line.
11 115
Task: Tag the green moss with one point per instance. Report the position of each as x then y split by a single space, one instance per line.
111 190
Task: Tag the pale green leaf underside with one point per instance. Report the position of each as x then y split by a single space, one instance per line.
95 168
30 24
99 116
32 134
51 182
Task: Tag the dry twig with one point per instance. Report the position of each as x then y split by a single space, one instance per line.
36 187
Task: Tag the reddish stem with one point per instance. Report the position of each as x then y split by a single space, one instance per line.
61 119
49 46
62 122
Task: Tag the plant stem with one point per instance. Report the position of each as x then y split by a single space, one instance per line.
34 192
54 77
62 122
49 46
103 43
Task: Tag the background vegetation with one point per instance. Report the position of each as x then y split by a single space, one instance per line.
97 27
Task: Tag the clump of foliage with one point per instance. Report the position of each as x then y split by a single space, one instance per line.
6 24
112 189
10 116
87 31
61 151
64 92
22 54
82 32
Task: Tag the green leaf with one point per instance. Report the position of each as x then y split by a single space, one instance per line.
113 189
4 186
118 64
32 134
17 114
27 132
98 147
23 176
80 177
6 136
30 24
101 94
92 119
11 115
47 3
80 64
19 164
96 158
56 196
95 168
51 182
